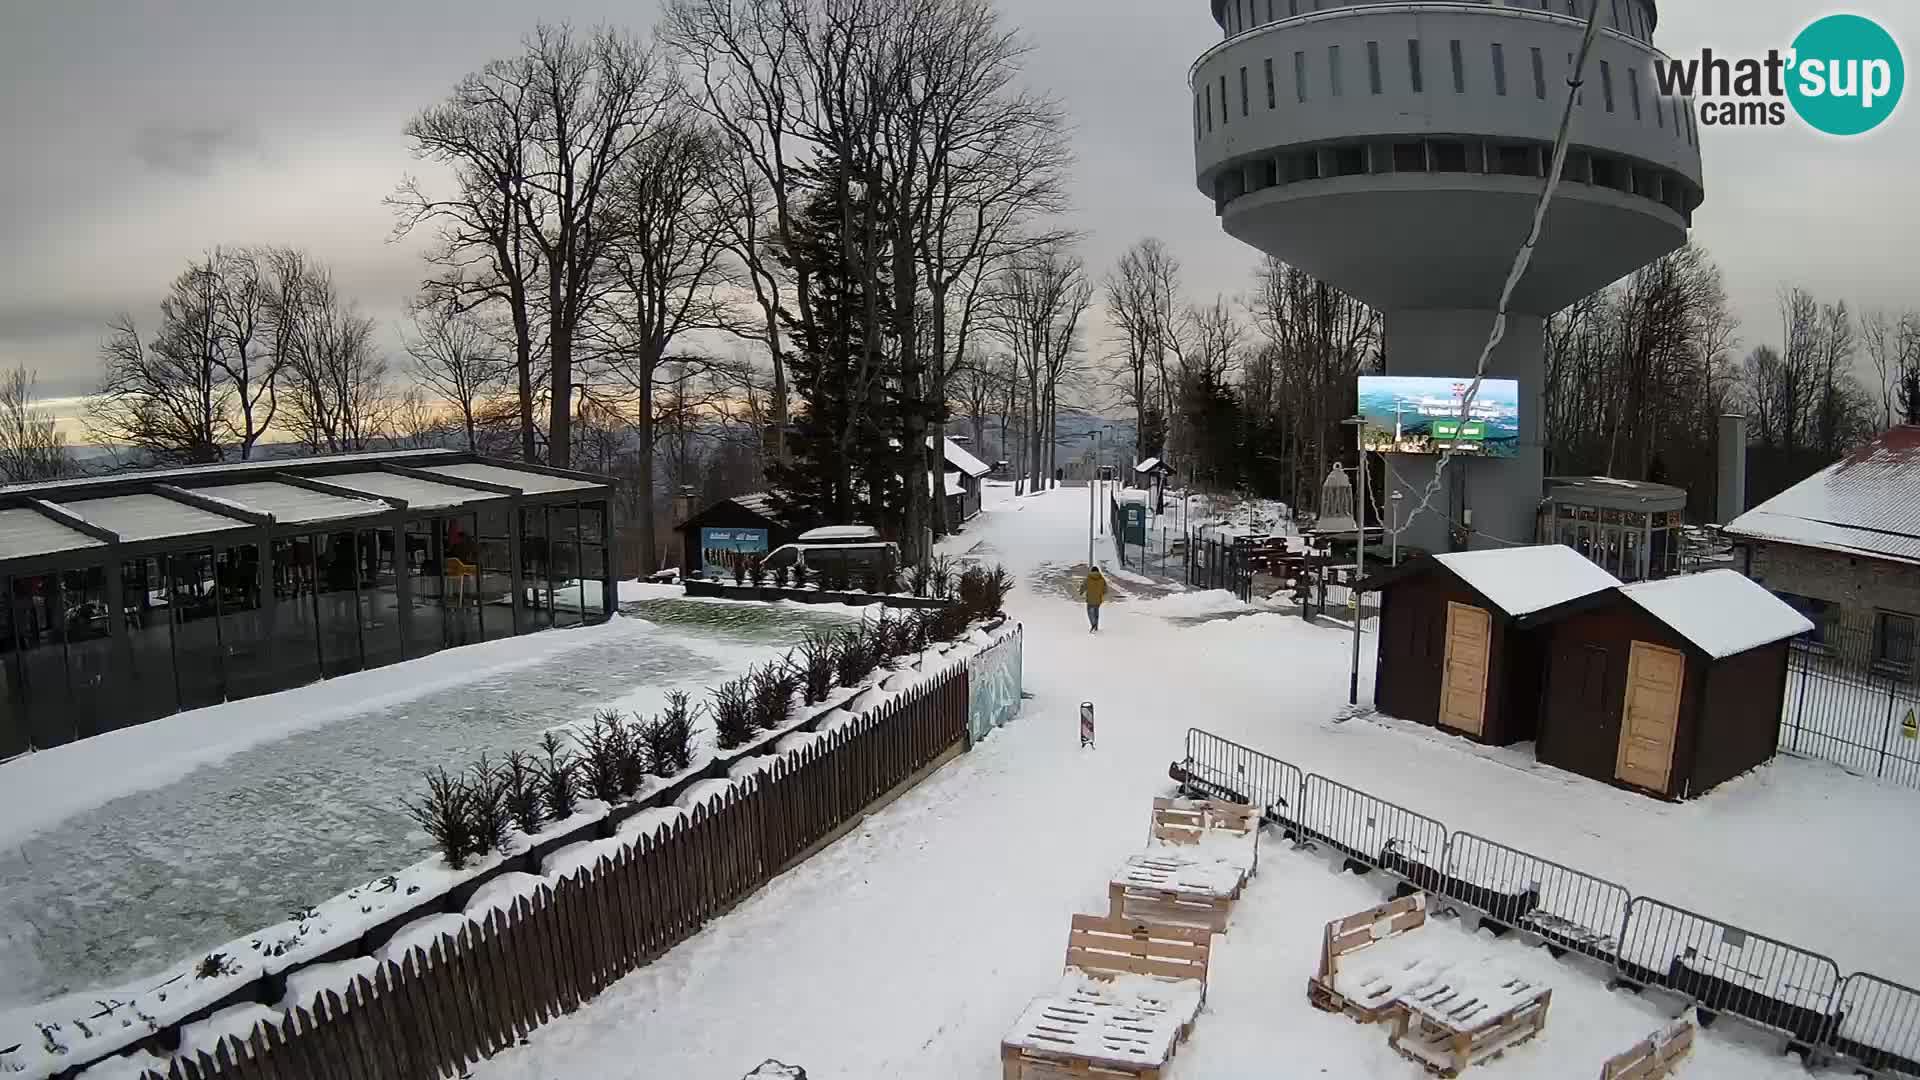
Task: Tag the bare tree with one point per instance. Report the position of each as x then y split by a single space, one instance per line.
974 388
456 361
335 394
31 445
417 422
245 315
166 398
1037 307
670 275
1142 294
483 254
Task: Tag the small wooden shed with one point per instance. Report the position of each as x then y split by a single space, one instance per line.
1452 651
742 526
1669 687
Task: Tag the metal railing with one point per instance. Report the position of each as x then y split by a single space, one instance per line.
1869 1022
1846 705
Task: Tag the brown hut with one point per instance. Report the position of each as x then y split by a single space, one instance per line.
1669 686
1452 651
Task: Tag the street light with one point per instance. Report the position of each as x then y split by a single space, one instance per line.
1395 500
1359 551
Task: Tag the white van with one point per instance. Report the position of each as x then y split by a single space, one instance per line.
848 551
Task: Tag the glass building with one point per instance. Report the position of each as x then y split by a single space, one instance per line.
141 594
1630 528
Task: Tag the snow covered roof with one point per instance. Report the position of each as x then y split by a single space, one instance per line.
1867 503
953 486
830 533
1523 580
151 517
525 480
1152 464
1721 611
293 505
418 494
25 532
958 457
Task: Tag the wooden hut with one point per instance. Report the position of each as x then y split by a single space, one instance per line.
740 527
1452 651
1668 686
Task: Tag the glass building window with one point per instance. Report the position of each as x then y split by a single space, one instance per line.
338 603
1300 76
495 595
1333 69
1413 65
462 567
296 614
566 586
89 634
243 628
1271 101
593 558
1539 75
535 563
1893 641
1373 67
1207 93
425 565
14 735
1633 89
379 597
1617 24
1459 67
1246 104
1499 70
40 636
199 656
1606 84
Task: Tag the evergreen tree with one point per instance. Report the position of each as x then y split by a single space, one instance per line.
844 438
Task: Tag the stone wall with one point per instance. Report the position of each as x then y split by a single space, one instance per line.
1857 586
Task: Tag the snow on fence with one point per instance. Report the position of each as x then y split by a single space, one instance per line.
434 1010
1879 1024
1559 904
1724 968
1719 967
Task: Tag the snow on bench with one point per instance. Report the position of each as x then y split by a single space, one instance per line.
1175 888
1130 991
1655 1056
1206 829
1346 936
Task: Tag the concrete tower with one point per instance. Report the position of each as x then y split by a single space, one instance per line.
1395 149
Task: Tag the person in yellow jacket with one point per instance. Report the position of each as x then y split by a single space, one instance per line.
1095 590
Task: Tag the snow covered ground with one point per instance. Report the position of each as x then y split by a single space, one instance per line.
905 949
123 854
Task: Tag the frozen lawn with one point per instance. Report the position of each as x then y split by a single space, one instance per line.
155 842
907 948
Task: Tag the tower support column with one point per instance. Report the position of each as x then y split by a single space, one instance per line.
1489 497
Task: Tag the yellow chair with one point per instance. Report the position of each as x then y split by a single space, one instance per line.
459 573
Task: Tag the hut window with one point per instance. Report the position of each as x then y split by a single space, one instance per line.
1893 641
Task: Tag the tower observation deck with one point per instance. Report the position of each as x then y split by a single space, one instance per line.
1396 150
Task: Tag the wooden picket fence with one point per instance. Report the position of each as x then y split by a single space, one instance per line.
473 994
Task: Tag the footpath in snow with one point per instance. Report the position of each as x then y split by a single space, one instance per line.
908 947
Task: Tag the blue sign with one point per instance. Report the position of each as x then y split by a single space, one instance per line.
723 549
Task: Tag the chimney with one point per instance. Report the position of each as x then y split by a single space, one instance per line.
1733 468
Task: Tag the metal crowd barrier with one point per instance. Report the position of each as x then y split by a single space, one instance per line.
1863 1019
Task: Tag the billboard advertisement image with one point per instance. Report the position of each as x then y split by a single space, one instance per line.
722 549
1422 415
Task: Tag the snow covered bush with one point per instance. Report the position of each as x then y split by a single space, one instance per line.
819 651
856 657
940 577
780 575
773 687
611 757
921 579
799 575
559 778
488 817
920 629
446 815
732 708
526 797
667 741
983 592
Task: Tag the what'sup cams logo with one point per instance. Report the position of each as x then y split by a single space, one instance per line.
1843 76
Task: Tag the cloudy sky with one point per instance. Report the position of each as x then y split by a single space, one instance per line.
139 134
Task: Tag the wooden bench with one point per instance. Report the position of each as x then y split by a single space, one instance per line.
1129 994
1174 889
1654 1056
1355 932
1453 1024
1224 830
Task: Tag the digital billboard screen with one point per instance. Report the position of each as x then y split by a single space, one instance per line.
1420 415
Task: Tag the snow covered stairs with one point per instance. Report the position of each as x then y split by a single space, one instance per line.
1129 994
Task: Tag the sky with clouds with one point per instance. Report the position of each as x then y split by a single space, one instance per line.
140 134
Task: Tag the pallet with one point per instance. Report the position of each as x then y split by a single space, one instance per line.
1168 907
1447 1052
1655 1056
1355 932
1069 1038
1193 821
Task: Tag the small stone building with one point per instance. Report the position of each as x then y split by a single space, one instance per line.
1669 687
1462 641
1843 548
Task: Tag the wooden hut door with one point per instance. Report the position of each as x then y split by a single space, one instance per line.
1650 716
1463 677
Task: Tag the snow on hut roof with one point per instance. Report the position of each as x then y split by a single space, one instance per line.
953 486
151 517
1721 611
417 494
292 505
26 532
527 481
1867 503
1524 580
958 457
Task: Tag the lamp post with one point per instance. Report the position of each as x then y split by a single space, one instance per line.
1359 552
1395 543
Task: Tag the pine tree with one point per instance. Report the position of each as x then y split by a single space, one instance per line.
844 437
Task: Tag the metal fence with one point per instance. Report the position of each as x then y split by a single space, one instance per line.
1847 704
1199 561
1865 1020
